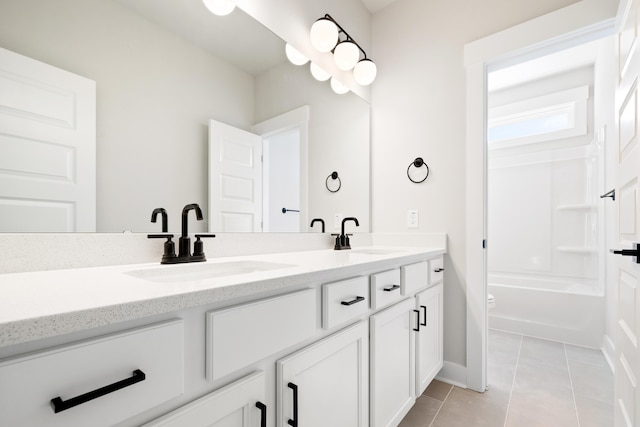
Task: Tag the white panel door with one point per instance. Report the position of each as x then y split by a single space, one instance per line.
47 147
392 363
235 179
627 364
326 384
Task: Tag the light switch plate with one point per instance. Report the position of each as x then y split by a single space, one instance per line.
337 221
412 218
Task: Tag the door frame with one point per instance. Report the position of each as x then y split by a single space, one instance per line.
575 24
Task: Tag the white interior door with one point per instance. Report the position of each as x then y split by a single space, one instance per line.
281 182
286 170
235 179
627 363
47 147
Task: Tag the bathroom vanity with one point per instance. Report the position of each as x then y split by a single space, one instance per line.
317 338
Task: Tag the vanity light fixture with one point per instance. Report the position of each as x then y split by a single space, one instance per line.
324 34
325 37
220 7
295 56
319 73
338 87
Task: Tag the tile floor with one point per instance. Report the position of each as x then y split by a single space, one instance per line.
532 383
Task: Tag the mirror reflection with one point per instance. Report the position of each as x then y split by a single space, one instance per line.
163 71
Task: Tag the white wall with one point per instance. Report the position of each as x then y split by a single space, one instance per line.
418 109
165 144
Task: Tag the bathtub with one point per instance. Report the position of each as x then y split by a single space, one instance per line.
557 310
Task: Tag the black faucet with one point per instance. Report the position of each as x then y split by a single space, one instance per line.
184 243
342 240
154 217
320 220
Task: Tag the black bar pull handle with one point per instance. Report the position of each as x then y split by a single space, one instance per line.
294 422
353 301
60 405
285 210
629 252
438 270
391 288
417 328
424 308
263 413
611 194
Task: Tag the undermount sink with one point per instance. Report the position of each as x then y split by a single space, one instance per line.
373 251
190 272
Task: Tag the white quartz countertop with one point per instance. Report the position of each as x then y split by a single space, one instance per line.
44 304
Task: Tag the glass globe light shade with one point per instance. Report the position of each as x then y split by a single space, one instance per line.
294 55
220 7
324 35
318 73
365 71
338 87
346 55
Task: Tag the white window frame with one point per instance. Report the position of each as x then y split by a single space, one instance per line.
572 102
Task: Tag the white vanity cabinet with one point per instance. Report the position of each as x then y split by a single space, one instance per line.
98 382
326 383
392 363
239 404
338 349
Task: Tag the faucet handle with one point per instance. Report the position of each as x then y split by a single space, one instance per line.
169 247
198 246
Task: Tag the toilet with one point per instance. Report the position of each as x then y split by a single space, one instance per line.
491 301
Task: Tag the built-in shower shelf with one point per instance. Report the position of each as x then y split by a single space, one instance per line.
577 249
576 207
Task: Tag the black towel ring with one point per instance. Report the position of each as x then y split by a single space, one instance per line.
334 176
418 163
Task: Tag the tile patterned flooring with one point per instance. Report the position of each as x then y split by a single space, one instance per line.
532 383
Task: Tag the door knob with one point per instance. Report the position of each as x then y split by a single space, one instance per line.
629 252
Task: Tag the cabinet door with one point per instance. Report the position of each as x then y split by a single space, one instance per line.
393 363
327 383
240 404
429 350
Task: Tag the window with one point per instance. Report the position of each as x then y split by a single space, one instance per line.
545 118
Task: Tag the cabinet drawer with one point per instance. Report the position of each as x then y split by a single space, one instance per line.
415 277
344 300
436 270
241 335
385 288
28 384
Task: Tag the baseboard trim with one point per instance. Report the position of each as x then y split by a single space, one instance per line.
454 374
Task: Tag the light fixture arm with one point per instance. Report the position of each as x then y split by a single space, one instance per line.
349 38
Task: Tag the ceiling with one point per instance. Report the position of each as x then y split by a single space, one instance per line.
236 38
376 5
